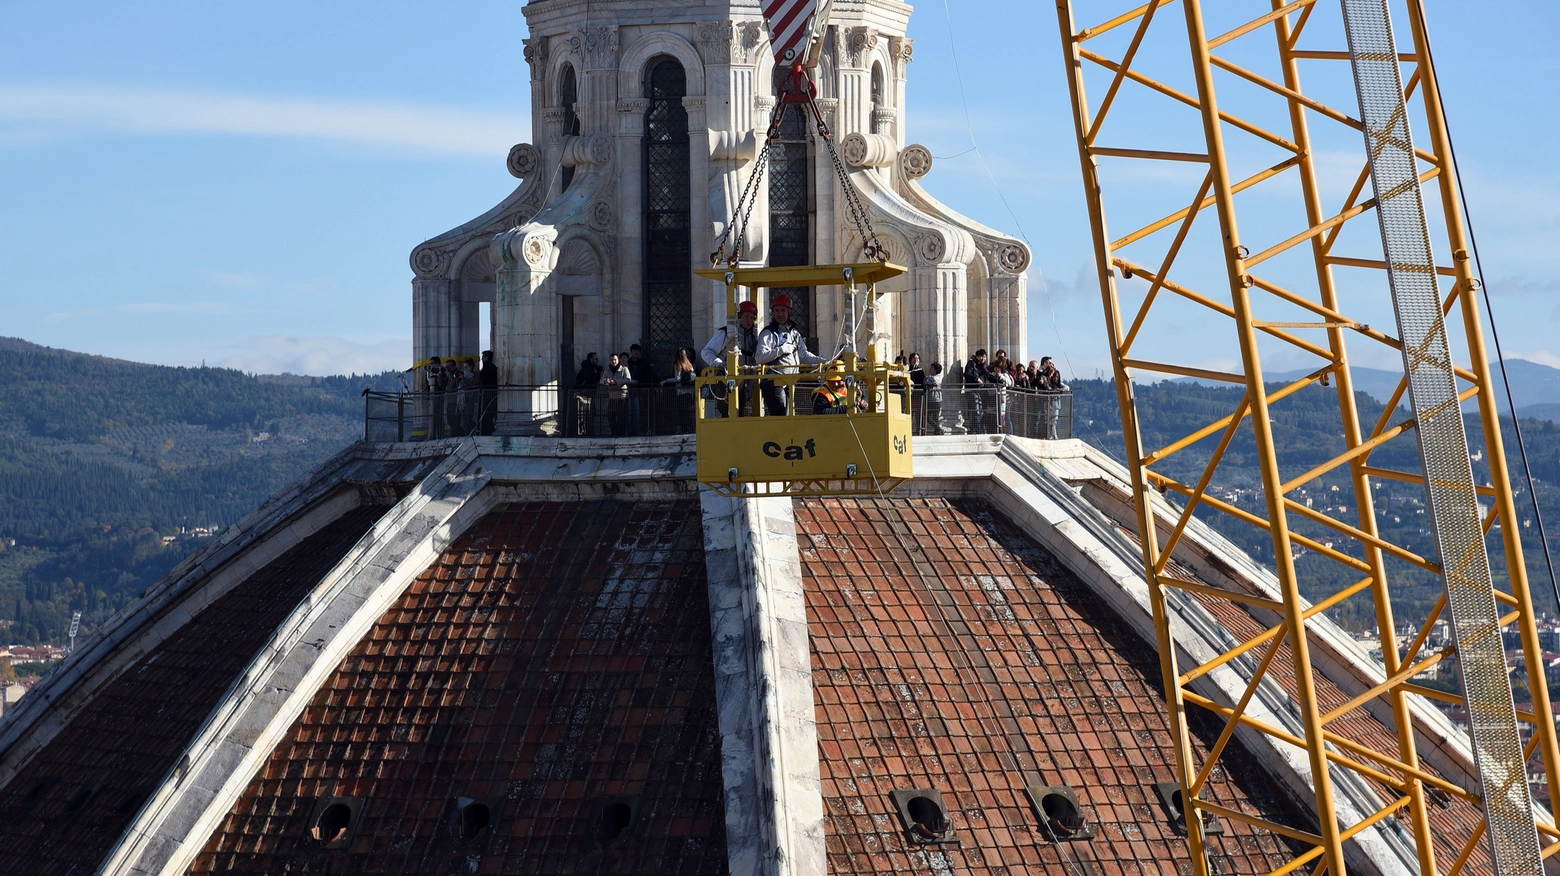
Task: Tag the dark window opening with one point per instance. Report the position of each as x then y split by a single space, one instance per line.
333 820
1169 794
923 815
668 235
615 821
568 96
791 208
877 94
332 824
1060 814
34 795
471 820
80 800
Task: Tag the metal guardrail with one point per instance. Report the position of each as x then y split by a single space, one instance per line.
603 411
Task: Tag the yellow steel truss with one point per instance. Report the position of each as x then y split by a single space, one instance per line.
1270 39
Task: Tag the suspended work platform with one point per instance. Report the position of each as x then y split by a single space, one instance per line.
860 447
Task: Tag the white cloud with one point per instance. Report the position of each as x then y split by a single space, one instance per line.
1542 357
319 355
144 111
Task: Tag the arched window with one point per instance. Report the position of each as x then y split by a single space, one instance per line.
791 207
668 267
568 95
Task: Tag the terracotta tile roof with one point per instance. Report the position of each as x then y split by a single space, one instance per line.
65 808
973 665
554 662
1452 819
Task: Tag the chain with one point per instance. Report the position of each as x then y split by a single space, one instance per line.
872 247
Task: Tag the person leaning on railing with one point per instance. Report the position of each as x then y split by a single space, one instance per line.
682 378
745 341
782 347
1052 387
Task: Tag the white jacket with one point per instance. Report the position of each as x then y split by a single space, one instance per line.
784 347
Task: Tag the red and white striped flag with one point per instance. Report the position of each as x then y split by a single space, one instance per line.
788 28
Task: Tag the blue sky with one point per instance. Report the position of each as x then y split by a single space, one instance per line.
240 184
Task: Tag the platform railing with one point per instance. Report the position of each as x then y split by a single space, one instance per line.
602 411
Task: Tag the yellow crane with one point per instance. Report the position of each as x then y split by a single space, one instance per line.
1294 293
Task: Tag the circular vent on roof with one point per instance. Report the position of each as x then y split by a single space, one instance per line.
332 824
1061 814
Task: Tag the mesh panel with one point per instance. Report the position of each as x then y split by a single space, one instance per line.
1442 442
668 278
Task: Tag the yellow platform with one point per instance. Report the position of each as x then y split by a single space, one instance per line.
865 451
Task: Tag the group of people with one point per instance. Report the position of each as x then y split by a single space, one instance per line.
464 396
605 400
605 405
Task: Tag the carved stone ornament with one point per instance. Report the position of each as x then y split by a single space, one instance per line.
535 252
523 160
729 42
554 117
600 216
1013 258
536 56
632 105
600 45
431 261
600 149
915 161
900 49
868 150
930 247
859 41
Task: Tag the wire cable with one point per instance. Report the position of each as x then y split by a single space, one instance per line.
1500 358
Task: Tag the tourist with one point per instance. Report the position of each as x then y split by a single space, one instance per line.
932 384
433 375
977 381
682 378
468 393
590 371
1052 387
917 373
615 382
644 379
781 346
488 378
745 341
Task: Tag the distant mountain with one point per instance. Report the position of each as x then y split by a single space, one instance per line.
103 462
1534 387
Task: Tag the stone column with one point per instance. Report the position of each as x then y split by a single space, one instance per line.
828 301
938 324
626 301
525 319
763 688
436 320
699 220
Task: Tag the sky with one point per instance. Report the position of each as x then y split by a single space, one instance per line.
241 184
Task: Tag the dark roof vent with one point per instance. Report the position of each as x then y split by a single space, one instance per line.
473 818
1060 814
1169 794
616 819
924 816
334 820
35 794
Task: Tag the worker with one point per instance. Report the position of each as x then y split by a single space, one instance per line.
746 341
782 347
833 397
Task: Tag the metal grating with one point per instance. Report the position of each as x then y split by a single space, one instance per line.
1443 444
668 266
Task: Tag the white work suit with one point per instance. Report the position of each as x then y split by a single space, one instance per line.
782 347
714 355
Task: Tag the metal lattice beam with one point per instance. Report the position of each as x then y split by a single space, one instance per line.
1258 61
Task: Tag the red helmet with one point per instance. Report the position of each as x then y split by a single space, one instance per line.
781 301
747 307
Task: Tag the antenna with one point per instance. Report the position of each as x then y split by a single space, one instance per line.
75 624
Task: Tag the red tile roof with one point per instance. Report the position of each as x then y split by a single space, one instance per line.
952 652
63 811
556 659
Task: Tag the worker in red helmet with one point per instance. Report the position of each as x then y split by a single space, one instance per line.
744 337
782 346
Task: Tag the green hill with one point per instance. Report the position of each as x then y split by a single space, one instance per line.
104 462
